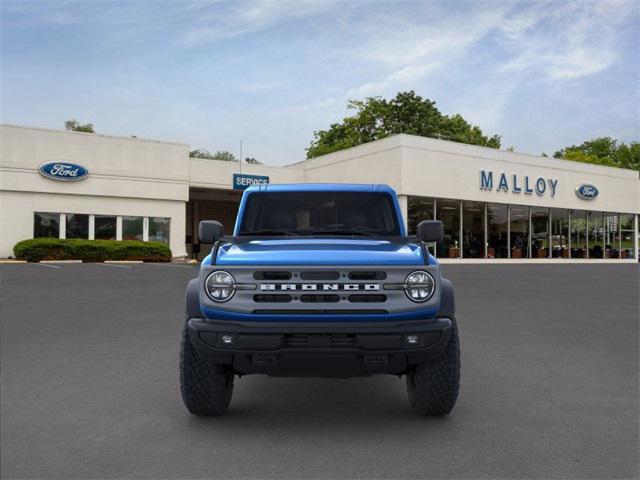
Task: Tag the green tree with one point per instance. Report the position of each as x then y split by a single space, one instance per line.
225 156
604 151
75 126
201 153
252 161
377 118
219 155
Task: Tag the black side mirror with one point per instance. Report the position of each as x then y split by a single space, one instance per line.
430 231
210 231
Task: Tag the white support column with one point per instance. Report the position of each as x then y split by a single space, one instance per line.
435 217
404 209
619 233
508 231
486 233
530 235
118 228
549 236
194 233
145 229
635 237
63 225
92 227
461 232
569 232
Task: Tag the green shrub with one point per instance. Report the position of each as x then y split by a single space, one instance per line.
37 249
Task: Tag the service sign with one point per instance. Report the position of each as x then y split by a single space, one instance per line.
586 191
242 181
63 171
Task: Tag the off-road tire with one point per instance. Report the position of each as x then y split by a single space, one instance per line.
206 387
433 386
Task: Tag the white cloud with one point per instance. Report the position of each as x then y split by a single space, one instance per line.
246 17
564 41
405 77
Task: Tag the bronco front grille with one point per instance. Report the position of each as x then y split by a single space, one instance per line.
319 290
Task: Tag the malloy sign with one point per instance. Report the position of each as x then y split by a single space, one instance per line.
515 183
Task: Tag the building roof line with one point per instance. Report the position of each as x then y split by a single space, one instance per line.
469 150
118 137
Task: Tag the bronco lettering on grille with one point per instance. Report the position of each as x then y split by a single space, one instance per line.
369 287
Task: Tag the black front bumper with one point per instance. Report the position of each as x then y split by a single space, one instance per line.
320 349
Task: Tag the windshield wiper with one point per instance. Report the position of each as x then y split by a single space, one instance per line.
266 231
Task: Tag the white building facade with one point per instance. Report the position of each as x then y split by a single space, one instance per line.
496 206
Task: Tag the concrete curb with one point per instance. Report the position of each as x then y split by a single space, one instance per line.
123 261
60 261
534 261
8 261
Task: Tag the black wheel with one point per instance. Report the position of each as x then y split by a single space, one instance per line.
433 386
206 387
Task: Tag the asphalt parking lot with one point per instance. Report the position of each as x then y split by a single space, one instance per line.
89 381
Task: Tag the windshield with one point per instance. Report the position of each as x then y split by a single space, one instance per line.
320 213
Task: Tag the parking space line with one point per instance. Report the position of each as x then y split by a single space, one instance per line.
113 265
171 265
46 265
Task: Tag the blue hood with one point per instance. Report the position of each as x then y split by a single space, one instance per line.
320 251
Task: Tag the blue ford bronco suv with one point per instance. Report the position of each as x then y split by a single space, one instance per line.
319 280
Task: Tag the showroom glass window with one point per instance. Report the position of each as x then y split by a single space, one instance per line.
497 230
611 235
448 212
473 230
559 233
159 229
132 228
77 226
596 235
539 232
578 234
46 225
519 231
418 209
105 227
626 237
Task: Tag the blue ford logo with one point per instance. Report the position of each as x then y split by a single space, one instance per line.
586 191
64 171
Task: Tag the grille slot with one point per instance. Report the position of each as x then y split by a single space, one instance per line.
319 275
319 298
273 298
367 275
320 341
360 298
272 275
343 340
295 340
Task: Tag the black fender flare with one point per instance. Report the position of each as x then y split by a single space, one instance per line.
447 300
192 299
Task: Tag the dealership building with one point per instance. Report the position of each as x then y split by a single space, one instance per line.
496 206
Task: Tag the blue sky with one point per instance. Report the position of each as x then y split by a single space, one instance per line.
542 74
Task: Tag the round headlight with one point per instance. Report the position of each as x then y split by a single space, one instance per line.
419 286
220 286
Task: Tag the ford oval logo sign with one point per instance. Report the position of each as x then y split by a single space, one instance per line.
64 171
586 191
